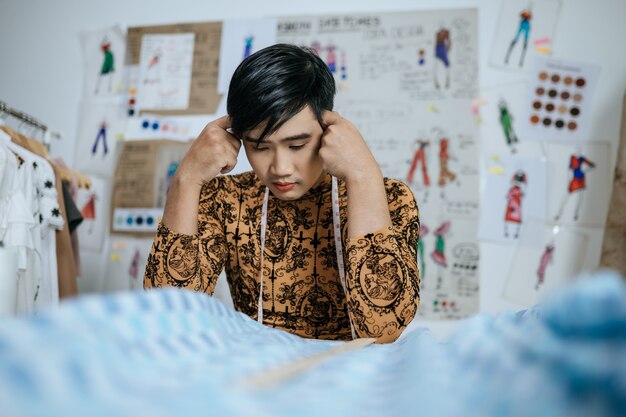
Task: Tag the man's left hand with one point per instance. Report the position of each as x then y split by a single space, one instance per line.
343 150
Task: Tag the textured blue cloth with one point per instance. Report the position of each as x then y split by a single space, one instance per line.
179 353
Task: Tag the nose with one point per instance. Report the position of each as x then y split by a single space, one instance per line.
282 166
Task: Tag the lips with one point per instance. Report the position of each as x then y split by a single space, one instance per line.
284 186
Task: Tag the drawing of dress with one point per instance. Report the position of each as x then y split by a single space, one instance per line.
445 175
108 64
439 255
577 183
331 59
514 205
546 258
89 211
513 211
578 175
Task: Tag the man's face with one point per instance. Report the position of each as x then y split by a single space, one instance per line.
288 161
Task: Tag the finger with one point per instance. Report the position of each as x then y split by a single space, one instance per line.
234 142
330 118
227 169
229 165
223 122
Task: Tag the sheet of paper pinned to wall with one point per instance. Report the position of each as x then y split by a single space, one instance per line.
579 184
103 62
514 200
94 204
165 71
100 131
524 30
559 101
538 269
126 262
406 80
240 39
426 55
501 116
204 97
448 258
144 174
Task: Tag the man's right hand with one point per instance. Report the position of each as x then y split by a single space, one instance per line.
214 152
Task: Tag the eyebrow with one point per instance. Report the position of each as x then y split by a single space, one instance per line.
287 139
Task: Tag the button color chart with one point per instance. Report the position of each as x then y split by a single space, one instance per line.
149 126
136 219
559 102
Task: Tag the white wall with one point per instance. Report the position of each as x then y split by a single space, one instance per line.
42 67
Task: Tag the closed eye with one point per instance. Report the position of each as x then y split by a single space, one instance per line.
296 147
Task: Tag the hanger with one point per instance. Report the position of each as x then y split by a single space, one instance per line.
40 149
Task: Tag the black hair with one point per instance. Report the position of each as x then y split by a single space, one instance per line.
276 83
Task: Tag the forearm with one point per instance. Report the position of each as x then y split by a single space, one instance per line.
181 208
367 208
382 276
383 285
176 260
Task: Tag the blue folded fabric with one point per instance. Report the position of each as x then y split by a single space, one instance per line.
174 352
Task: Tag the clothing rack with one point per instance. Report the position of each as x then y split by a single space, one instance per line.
66 173
26 118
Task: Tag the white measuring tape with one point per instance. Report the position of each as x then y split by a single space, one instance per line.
338 247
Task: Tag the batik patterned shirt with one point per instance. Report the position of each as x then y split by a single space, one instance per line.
302 291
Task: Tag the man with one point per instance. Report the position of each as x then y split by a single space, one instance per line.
273 228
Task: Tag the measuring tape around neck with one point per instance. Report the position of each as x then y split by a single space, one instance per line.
338 247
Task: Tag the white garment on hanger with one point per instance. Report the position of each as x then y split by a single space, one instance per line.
36 177
17 230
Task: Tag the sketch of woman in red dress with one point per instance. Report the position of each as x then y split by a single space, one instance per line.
514 197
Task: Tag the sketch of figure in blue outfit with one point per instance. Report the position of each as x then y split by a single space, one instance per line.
102 135
248 46
524 29
442 48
